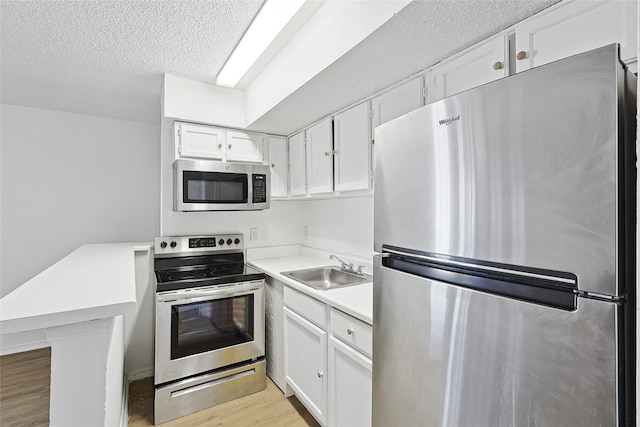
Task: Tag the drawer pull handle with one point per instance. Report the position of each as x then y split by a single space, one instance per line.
521 55
349 331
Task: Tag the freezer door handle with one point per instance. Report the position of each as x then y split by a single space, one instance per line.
536 288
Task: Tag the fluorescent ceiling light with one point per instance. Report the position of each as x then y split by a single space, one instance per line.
270 20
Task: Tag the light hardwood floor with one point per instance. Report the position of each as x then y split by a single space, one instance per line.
263 409
25 388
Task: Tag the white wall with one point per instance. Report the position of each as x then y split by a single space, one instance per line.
195 101
139 326
69 179
115 384
340 226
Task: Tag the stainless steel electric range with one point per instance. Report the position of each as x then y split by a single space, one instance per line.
209 328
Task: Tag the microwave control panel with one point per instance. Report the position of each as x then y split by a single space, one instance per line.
259 188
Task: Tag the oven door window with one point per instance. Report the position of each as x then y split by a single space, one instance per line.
215 187
210 325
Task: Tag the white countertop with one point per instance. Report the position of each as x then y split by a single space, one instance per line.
355 300
95 281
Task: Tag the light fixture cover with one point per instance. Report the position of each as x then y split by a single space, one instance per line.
265 27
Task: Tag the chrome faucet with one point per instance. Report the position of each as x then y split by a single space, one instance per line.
348 267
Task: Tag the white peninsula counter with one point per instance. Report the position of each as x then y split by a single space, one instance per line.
95 281
77 307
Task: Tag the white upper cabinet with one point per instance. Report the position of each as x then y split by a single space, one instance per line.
397 101
320 158
278 164
244 146
209 142
576 27
198 141
352 144
297 165
567 28
485 62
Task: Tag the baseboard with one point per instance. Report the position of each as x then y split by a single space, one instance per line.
139 374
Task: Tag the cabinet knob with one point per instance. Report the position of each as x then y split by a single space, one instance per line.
521 55
498 65
273 165
320 374
229 146
219 145
326 153
350 331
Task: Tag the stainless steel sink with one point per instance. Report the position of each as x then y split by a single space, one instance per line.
324 278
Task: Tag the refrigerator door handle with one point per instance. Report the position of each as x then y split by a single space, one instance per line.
568 279
521 283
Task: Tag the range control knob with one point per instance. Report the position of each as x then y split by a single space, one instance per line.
163 245
237 241
221 242
174 244
229 241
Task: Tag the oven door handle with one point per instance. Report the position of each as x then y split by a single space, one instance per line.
196 295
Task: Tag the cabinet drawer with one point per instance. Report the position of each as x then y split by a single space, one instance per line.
352 331
307 307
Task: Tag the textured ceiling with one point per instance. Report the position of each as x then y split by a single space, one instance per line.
107 57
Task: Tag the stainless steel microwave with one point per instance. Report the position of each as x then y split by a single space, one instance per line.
206 185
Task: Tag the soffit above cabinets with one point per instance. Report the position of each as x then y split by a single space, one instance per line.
107 58
422 34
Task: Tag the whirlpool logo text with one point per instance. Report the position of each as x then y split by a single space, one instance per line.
449 120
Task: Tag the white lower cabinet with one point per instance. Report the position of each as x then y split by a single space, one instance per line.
329 372
349 386
306 363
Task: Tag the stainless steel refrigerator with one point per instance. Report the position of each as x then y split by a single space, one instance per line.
504 292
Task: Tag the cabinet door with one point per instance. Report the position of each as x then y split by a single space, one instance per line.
306 363
278 162
350 386
199 141
320 157
244 147
576 27
297 165
396 102
352 155
482 64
